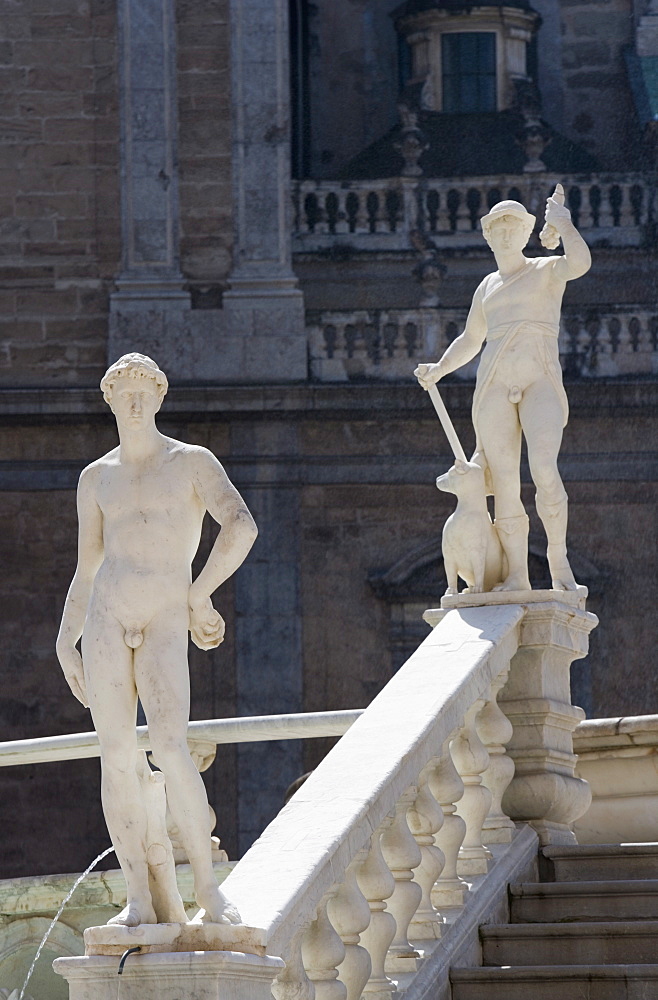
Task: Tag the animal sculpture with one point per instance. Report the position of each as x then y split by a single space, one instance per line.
471 547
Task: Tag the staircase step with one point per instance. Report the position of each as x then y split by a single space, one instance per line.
594 943
539 902
585 982
591 862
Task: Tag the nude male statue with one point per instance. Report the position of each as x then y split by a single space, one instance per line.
132 600
516 309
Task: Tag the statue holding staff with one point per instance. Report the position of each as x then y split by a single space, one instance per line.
516 313
133 602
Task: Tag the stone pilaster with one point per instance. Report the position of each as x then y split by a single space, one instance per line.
263 307
268 638
537 701
150 298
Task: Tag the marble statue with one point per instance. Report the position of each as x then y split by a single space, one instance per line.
132 601
516 313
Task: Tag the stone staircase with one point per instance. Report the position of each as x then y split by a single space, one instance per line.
587 931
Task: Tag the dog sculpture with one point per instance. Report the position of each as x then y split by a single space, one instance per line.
471 548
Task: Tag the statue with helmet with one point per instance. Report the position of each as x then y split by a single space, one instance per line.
515 313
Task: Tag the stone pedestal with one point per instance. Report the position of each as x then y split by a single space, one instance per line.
537 701
184 975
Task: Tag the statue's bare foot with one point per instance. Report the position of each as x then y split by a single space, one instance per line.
135 912
515 581
215 908
562 577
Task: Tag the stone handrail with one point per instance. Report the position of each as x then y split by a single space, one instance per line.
609 209
253 729
353 881
386 343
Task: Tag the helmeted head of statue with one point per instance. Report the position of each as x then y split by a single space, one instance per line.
507 210
137 366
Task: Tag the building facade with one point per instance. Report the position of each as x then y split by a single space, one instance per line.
279 201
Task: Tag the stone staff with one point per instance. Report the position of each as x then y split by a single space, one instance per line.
446 423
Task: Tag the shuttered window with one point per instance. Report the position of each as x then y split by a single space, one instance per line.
469 71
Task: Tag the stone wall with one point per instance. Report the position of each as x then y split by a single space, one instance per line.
59 166
598 112
353 79
59 161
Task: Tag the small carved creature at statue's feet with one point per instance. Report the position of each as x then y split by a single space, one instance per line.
562 577
515 581
134 913
215 908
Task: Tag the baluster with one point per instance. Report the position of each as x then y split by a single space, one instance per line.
342 225
425 818
624 345
626 208
583 343
402 855
495 730
322 953
350 914
412 211
293 983
471 759
447 787
463 214
646 341
377 884
606 364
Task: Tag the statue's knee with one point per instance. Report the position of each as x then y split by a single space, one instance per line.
168 752
548 483
118 761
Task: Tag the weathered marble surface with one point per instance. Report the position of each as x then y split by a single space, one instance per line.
202 975
132 601
619 759
114 939
515 313
27 906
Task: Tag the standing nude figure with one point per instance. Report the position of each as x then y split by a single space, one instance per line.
516 309
132 600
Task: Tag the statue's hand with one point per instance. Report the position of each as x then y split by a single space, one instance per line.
428 375
71 663
556 214
206 625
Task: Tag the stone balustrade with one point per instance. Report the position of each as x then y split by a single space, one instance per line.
609 209
387 344
345 885
383 864
253 729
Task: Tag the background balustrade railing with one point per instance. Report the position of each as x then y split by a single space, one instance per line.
609 209
386 344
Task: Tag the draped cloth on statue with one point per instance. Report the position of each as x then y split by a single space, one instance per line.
502 337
